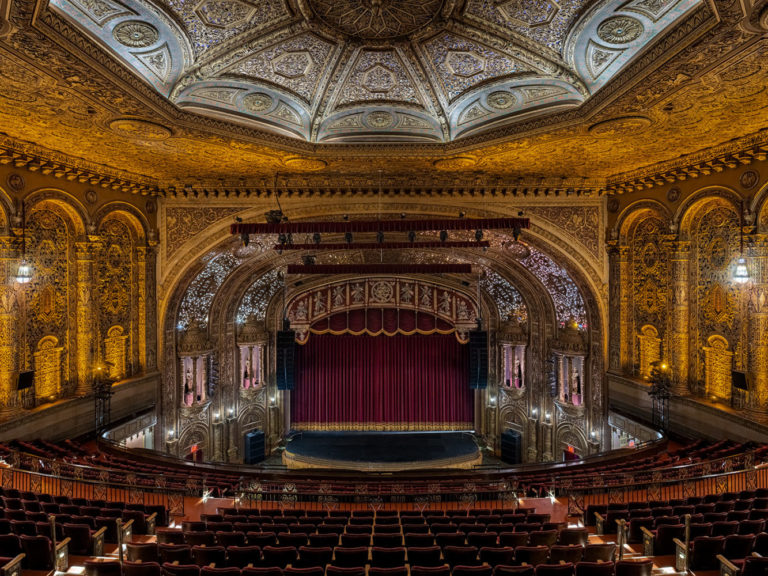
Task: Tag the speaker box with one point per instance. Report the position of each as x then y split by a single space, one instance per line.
26 380
286 354
255 448
511 446
478 359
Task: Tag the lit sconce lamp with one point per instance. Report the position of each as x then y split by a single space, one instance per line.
492 401
216 416
741 273
547 416
272 400
593 435
24 271
170 434
534 412
230 412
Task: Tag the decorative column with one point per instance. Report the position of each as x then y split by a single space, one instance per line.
232 452
678 318
86 335
547 429
757 351
533 425
619 359
11 342
147 271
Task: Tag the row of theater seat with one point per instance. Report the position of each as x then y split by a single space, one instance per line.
620 568
332 539
382 557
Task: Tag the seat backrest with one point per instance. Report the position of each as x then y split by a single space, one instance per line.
634 567
738 546
141 568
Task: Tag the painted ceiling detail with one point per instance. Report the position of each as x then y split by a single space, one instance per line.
389 70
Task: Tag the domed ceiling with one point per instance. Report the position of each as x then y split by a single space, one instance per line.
358 70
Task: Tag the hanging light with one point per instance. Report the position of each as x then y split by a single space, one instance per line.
24 271
741 273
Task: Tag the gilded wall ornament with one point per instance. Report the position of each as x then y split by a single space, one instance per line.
135 34
15 182
749 179
620 30
380 119
455 163
673 194
613 205
90 196
305 164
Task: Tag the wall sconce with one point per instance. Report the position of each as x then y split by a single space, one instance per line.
215 416
272 401
547 416
593 435
740 273
492 401
230 412
24 271
170 434
534 412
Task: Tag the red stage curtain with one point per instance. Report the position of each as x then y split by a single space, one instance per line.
382 382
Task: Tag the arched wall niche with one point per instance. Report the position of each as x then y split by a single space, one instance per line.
711 324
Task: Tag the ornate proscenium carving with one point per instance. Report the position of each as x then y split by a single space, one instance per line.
252 331
570 340
379 269
512 332
383 245
446 303
194 342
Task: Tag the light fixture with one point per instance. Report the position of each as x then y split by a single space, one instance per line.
547 416
741 273
24 271
534 412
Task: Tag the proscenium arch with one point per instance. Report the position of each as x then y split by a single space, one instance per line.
553 240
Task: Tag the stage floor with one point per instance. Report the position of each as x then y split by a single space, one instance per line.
382 451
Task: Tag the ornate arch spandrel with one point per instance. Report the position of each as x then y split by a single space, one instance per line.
693 203
628 217
74 209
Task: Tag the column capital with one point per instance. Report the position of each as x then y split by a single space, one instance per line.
87 250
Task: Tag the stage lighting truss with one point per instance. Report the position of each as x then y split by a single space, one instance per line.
380 228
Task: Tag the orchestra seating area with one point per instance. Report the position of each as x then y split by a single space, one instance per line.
706 533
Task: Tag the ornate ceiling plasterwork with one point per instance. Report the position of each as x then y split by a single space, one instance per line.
392 70
690 103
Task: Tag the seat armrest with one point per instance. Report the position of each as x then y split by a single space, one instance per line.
648 539
151 522
681 555
727 568
599 523
126 530
61 555
13 568
97 541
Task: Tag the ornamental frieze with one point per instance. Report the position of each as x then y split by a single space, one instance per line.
443 302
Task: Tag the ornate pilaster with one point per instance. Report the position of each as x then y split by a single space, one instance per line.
757 351
86 336
147 256
9 322
678 319
618 351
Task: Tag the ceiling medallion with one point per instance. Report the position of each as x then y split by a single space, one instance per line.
135 34
622 126
139 129
455 163
304 164
257 102
380 119
620 30
501 100
376 19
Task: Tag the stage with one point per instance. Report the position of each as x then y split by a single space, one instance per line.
382 451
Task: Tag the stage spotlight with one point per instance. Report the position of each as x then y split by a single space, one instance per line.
478 235
462 214
282 238
348 237
308 260
345 217
443 235
411 236
245 238
520 213
379 236
316 237
402 215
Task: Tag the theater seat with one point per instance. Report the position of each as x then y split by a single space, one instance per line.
141 569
